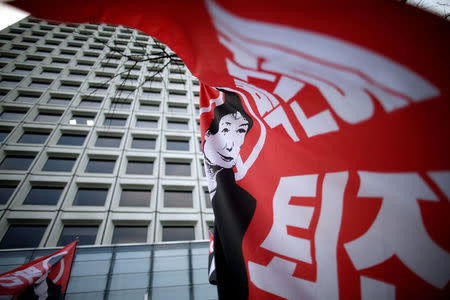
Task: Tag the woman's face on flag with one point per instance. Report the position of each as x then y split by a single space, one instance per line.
222 149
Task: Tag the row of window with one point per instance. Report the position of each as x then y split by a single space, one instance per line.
124 85
107 141
88 118
96 102
87 196
29 236
100 165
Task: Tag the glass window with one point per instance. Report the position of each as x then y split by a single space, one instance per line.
177 109
90 196
10 81
140 167
100 166
3 134
90 103
178 169
178 233
86 235
120 105
108 141
43 196
39 83
129 234
50 72
142 143
12 115
16 162
81 120
59 164
47 117
177 145
33 137
151 107
178 125
176 198
110 121
207 199
59 100
69 86
6 190
133 197
23 236
26 98
71 139
146 123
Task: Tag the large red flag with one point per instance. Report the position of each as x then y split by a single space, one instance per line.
326 139
42 278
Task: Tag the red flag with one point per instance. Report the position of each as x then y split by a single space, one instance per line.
46 276
326 141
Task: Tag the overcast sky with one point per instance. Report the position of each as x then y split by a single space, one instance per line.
10 15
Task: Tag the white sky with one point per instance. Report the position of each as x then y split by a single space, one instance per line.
10 15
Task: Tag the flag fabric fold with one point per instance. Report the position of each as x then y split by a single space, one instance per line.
325 134
43 278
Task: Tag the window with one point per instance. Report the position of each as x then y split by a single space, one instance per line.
10 81
59 164
50 72
129 234
177 125
12 115
143 143
34 58
47 117
100 166
146 123
77 74
69 85
177 109
3 134
149 107
40 83
108 141
110 121
27 98
93 88
177 145
6 190
58 100
23 69
176 198
178 233
86 235
120 105
140 167
81 120
71 139
207 199
90 197
33 138
91 103
23 236
59 61
134 197
178 169
16 162
43 196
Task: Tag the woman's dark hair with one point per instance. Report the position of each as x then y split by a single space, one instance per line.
231 105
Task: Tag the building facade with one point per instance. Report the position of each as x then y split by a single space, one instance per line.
94 144
100 141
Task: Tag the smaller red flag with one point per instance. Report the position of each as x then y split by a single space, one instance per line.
44 277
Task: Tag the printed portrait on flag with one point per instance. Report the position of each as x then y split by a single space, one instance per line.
233 205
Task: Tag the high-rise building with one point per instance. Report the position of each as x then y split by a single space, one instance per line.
100 141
